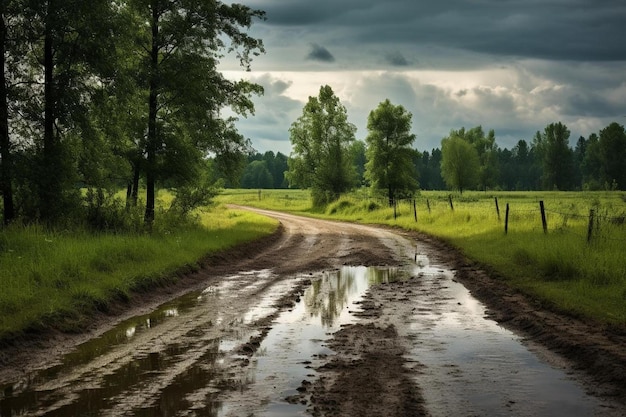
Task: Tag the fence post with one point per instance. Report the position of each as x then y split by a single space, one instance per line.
497 208
450 200
590 226
543 217
395 208
414 211
428 205
506 219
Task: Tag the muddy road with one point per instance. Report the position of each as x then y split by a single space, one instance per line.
323 319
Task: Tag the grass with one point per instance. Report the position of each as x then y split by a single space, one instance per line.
60 278
560 267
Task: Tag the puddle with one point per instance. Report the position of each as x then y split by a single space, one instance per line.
475 367
172 359
296 343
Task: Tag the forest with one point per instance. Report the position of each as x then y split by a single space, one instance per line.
594 163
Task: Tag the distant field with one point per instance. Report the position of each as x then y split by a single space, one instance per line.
561 267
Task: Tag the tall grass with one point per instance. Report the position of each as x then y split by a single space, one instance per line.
60 278
560 267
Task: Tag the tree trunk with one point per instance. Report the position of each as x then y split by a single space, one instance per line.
49 192
6 176
152 119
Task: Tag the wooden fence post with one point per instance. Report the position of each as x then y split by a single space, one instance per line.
428 205
497 208
450 200
506 219
590 226
415 210
543 217
395 209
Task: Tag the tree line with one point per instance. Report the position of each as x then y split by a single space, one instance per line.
100 94
329 160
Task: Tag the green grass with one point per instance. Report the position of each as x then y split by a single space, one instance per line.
60 278
559 268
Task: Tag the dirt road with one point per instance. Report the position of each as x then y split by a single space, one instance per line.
295 324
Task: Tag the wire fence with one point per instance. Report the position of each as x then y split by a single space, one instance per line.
594 225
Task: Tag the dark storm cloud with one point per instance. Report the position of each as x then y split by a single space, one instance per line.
396 59
319 53
590 30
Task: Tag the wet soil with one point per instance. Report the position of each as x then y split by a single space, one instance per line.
373 370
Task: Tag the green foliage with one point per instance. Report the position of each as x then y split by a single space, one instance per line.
321 139
459 163
557 156
389 154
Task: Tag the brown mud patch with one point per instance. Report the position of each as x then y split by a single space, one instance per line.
368 376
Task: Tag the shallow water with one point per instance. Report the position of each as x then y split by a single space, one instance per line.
475 367
179 358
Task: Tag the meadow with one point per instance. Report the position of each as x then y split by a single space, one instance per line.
61 278
577 265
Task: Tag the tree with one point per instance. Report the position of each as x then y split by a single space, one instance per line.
180 43
592 164
6 171
320 158
63 48
612 144
460 165
257 175
526 168
359 159
557 157
487 150
389 164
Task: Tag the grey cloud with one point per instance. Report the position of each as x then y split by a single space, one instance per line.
591 30
396 59
321 54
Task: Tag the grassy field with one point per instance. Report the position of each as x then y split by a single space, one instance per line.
61 278
561 267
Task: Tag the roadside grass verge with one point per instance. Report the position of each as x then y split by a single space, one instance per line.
59 278
559 268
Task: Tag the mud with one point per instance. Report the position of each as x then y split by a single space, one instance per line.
213 351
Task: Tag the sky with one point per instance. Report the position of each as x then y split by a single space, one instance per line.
514 66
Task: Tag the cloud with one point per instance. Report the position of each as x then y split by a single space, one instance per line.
510 65
319 53
396 59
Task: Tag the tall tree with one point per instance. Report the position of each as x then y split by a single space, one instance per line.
557 157
181 42
389 164
65 48
487 150
613 154
320 138
460 165
6 171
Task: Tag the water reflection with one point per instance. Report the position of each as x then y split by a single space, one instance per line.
298 336
330 295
